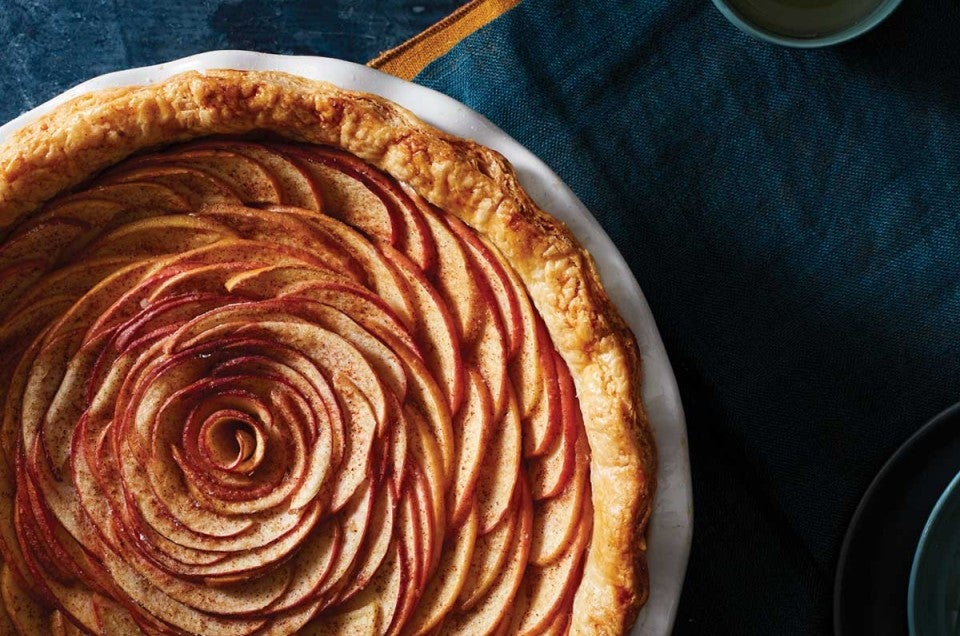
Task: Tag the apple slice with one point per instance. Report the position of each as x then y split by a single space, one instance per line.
550 473
494 272
431 476
275 226
471 301
412 542
292 621
33 540
382 277
211 268
489 356
147 599
252 182
207 279
385 362
398 460
500 470
199 534
542 426
71 281
48 238
12 429
446 584
43 386
97 212
111 618
555 521
431 518
525 367
137 195
456 278
99 304
75 609
231 597
416 241
489 554
492 608
271 281
387 586
314 561
363 621
17 278
245 565
294 185
28 616
547 592
347 195
49 554
559 627
360 304
471 429
159 235
375 542
62 626
435 331
426 409
96 498
157 317
330 352
197 187
20 327
169 556
390 217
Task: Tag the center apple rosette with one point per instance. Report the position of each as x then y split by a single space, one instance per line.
258 387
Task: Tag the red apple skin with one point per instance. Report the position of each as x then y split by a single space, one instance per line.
500 286
192 290
551 472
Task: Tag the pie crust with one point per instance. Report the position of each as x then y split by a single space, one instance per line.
83 137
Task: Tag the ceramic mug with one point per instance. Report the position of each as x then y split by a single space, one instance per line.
806 23
932 596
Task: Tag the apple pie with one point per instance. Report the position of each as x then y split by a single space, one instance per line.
277 357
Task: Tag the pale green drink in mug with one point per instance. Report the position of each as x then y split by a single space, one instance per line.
806 22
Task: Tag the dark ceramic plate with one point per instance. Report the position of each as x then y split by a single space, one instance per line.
870 593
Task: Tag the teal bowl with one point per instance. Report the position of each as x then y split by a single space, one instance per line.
933 597
869 20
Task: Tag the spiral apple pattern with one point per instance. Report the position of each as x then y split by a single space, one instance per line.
257 387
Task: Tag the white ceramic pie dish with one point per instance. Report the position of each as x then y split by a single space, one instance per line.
671 524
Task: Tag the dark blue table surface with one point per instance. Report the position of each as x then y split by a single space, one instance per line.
50 45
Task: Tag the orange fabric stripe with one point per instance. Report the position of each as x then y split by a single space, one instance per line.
411 57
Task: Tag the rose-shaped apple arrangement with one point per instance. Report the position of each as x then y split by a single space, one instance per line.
259 387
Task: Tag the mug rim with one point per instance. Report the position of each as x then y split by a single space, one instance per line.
931 527
878 15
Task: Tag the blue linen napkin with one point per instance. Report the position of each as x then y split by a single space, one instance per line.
793 218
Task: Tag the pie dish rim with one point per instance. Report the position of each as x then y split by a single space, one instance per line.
504 174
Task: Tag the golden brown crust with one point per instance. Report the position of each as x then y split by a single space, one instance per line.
90 133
